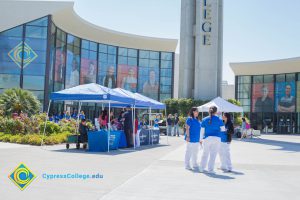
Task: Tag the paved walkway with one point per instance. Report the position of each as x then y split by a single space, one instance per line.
266 168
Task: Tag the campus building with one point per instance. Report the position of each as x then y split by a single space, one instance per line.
46 47
201 49
269 92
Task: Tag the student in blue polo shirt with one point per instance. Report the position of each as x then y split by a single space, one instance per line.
211 128
193 127
226 138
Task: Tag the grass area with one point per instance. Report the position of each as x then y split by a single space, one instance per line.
34 139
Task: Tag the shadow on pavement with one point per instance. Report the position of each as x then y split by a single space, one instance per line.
219 176
283 145
111 152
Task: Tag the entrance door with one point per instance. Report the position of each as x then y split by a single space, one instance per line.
286 123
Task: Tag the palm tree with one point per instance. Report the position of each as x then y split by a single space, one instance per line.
17 100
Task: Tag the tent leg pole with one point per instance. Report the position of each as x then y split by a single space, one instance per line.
45 123
133 122
79 110
108 133
167 127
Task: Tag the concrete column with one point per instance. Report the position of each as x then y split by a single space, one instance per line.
187 49
208 49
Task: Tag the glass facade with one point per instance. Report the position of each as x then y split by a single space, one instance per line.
272 102
23 57
42 58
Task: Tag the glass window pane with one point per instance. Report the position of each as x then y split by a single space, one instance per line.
9 81
144 54
36 32
103 48
122 60
166 64
112 50
39 22
122 51
166 56
93 46
84 44
132 52
290 77
268 79
132 61
258 79
280 78
14 32
154 55
33 82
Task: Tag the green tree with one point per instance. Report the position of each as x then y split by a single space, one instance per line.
17 100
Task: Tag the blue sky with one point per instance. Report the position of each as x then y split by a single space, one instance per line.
254 30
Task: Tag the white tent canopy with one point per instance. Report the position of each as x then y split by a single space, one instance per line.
222 105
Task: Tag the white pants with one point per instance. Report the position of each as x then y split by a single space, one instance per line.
137 139
225 158
192 149
210 148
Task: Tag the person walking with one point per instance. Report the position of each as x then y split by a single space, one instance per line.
169 125
176 125
210 138
192 138
226 138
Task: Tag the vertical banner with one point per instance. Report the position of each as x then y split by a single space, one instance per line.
127 77
285 97
88 71
263 97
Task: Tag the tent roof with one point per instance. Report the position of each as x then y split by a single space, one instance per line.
91 93
221 104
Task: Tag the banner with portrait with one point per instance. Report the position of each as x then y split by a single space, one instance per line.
263 97
149 82
127 77
107 75
72 69
285 100
88 71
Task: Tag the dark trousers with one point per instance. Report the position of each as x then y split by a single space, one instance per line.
128 134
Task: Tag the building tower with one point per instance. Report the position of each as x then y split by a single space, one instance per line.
201 46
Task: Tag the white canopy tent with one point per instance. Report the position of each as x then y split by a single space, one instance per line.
222 105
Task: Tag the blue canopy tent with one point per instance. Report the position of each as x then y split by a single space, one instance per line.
141 102
89 93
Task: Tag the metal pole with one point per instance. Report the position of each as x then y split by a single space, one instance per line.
133 111
108 133
167 126
79 109
46 123
151 130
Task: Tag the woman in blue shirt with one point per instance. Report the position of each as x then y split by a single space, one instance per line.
211 128
192 138
226 138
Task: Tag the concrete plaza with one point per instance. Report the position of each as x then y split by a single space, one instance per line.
264 168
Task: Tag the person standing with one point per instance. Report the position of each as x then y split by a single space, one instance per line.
210 138
192 138
169 125
176 125
128 127
244 128
226 138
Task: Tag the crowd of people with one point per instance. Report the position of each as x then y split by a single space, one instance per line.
56 117
213 135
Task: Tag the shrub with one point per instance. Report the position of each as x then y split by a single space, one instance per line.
51 128
19 100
